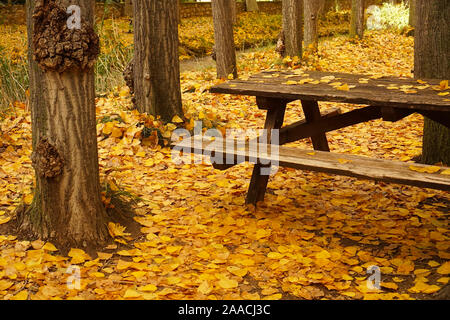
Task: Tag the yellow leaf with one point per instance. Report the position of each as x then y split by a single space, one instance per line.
433 263
116 230
443 94
49 247
28 199
173 280
22 295
425 169
228 283
177 119
78 256
422 287
274 255
324 254
445 268
344 161
290 82
230 76
389 285
261 233
148 288
240 272
344 87
131 293
443 280
276 296
203 255
443 85
5 284
204 287
108 128
446 172
4 220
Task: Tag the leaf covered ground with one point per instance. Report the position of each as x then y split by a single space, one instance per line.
313 238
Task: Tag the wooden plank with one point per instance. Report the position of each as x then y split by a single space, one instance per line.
302 131
394 114
375 92
437 116
312 114
332 163
326 114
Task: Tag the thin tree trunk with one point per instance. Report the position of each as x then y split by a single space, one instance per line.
156 69
293 27
311 34
412 13
357 19
67 206
251 5
224 39
128 8
432 61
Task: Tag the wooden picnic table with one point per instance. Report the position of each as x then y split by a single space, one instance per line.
387 98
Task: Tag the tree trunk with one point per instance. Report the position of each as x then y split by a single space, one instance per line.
233 11
128 8
67 207
156 70
251 5
224 39
293 27
357 19
412 13
311 33
432 61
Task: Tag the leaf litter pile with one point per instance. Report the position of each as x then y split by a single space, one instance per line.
314 237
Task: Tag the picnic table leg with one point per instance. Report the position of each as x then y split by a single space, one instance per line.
258 183
312 113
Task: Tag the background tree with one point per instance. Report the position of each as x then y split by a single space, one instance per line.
128 8
156 65
432 61
251 5
225 51
292 33
311 34
412 13
357 23
67 206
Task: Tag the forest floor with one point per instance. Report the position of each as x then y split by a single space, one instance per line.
314 237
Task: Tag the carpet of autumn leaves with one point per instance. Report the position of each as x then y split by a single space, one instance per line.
313 237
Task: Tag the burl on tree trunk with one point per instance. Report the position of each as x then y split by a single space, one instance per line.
67 207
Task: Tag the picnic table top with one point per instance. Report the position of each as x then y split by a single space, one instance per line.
426 94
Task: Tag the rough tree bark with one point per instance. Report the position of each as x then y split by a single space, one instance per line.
311 34
293 27
224 39
67 207
251 5
156 69
357 23
432 61
233 11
